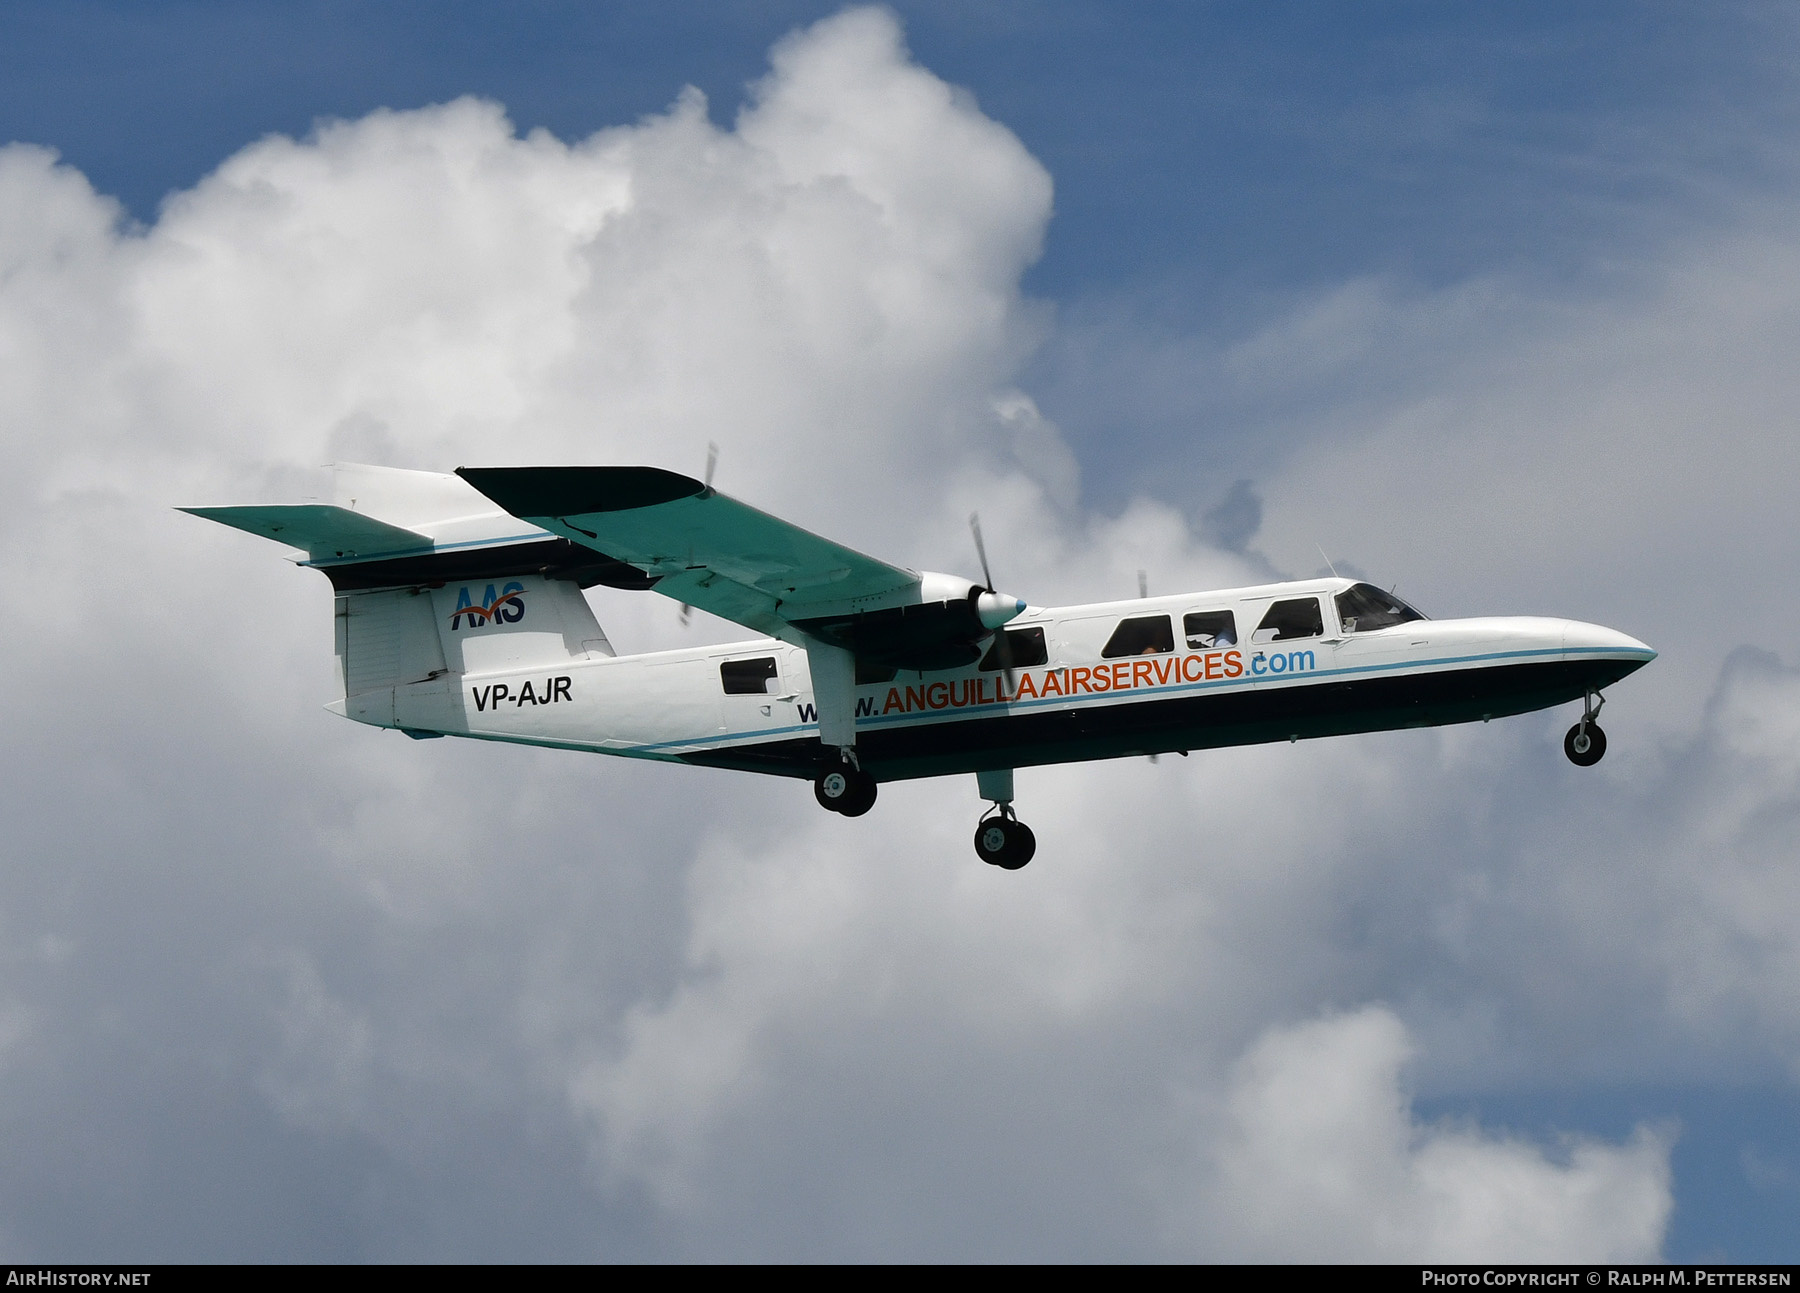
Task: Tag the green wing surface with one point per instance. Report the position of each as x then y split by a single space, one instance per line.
709 551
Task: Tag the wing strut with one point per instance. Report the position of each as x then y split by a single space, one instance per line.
834 692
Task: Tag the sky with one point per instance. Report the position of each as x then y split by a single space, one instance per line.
1498 306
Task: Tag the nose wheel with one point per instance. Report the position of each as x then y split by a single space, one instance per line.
847 790
1004 841
1585 747
1586 743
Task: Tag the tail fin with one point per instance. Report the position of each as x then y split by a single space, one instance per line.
434 582
403 652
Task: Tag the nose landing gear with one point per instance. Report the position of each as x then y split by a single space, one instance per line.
1586 743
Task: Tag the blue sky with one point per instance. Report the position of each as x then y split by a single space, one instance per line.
1214 150
1212 162
1282 236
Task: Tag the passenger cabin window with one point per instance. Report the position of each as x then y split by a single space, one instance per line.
1027 648
1208 629
1143 635
748 677
1363 607
1299 618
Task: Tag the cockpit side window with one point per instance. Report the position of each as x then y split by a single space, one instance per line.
748 677
1026 646
1298 618
1205 630
1363 607
1140 635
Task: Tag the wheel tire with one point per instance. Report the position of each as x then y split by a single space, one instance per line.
862 795
845 790
1005 843
1591 749
1024 847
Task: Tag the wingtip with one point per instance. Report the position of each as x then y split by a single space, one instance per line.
574 491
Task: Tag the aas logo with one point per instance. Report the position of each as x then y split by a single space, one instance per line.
505 607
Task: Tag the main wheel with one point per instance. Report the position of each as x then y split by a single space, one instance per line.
1585 749
1004 842
845 790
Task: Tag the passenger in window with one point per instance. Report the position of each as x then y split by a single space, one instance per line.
1209 630
1141 635
1285 621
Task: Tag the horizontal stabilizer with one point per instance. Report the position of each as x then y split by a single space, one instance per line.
392 528
323 532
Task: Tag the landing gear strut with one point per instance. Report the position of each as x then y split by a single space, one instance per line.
847 790
1003 840
1586 743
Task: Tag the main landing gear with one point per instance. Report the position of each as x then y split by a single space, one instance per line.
847 790
1586 743
1001 839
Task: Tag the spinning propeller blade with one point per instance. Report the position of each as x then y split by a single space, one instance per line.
1002 644
712 461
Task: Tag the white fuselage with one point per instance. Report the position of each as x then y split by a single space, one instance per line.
1073 698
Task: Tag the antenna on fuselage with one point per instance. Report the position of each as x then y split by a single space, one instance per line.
1328 565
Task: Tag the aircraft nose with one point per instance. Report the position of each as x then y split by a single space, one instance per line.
1597 639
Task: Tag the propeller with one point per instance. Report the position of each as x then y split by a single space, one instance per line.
712 461
1002 643
981 550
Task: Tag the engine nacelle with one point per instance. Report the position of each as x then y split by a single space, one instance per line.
935 587
992 609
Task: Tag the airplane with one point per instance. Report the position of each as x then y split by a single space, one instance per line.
459 612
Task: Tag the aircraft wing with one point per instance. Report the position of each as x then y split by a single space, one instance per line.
704 548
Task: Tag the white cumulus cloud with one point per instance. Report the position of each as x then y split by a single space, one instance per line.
1319 1158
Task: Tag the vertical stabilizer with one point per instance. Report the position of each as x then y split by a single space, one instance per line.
403 653
435 584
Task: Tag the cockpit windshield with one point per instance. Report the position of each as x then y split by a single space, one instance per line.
1363 607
